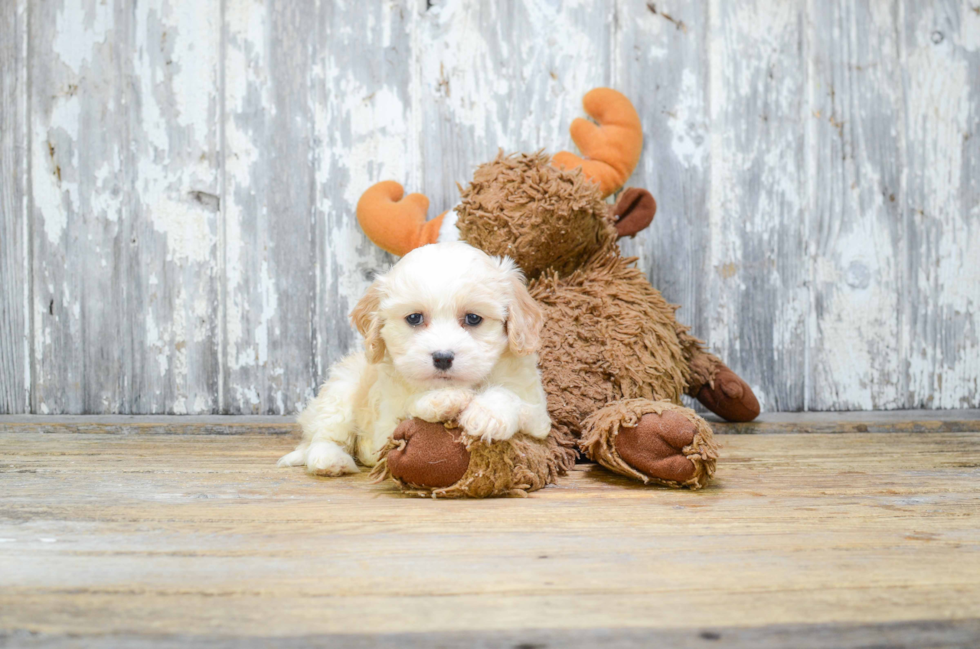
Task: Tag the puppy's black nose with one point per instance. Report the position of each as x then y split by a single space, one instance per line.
443 360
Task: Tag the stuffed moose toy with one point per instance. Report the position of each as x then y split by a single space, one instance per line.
613 358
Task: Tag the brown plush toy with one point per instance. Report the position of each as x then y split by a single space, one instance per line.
613 358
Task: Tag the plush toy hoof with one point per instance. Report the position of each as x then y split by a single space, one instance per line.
651 441
655 446
729 397
432 460
427 455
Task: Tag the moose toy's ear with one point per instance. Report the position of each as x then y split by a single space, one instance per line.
633 212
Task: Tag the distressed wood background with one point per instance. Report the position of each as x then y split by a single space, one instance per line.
178 181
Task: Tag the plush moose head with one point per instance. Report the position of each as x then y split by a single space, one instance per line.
543 213
545 217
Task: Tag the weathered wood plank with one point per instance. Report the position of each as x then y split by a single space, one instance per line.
15 370
856 234
175 138
365 131
81 183
879 421
270 206
124 176
942 203
660 62
202 535
755 286
507 75
151 424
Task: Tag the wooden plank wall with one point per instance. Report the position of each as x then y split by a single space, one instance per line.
178 181
15 368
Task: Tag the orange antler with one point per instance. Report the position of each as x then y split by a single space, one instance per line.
394 223
612 149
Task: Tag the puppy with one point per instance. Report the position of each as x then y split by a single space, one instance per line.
450 333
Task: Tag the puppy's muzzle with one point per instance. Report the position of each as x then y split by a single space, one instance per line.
443 360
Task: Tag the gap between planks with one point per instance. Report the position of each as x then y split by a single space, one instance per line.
889 421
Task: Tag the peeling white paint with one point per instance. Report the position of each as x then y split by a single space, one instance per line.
943 372
201 404
485 87
969 36
153 341
194 33
48 195
77 26
270 303
245 74
755 201
690 142
469 87
188 230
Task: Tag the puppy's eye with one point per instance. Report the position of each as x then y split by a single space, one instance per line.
472 319
414 319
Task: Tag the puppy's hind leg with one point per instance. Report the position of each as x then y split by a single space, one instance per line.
328 423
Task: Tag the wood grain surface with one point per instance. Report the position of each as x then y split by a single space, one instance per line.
178 182
951 634
15 352
200 536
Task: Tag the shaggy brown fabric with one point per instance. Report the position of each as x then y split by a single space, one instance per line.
652 444
512 468
701 364
433 454
539 216
607 335
728 396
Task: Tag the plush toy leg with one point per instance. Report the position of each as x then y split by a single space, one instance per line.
433 460
713 384
722 391
651 441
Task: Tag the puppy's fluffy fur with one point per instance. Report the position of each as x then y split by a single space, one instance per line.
492 388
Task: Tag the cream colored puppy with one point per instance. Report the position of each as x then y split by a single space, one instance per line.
450 333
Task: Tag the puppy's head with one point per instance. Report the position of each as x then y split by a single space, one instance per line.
446 313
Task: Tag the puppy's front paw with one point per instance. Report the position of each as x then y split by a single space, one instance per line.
489 420
441 405
328 459
296 458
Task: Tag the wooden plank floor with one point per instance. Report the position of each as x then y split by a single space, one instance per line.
130 530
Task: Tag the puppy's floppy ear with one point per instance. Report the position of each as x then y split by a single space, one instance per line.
524 317
366 317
